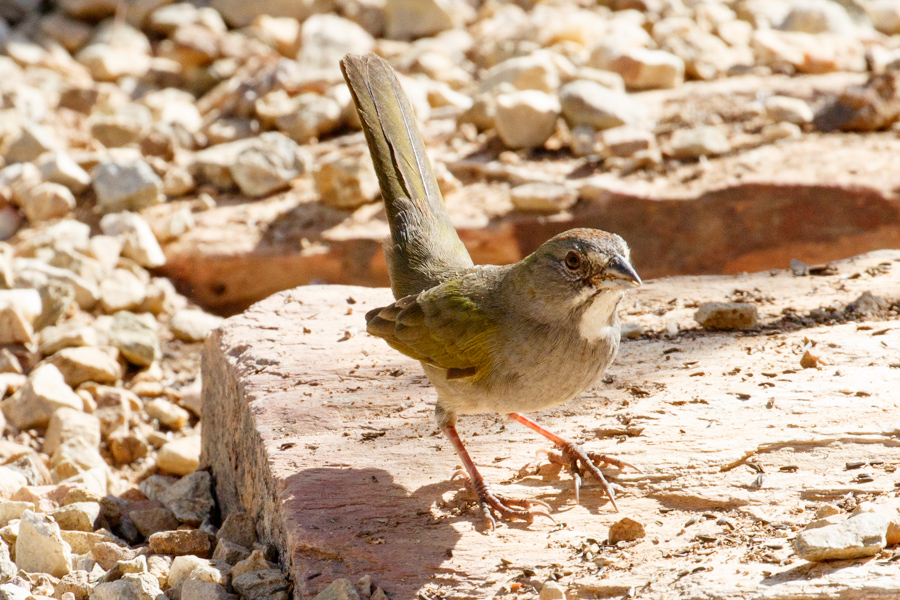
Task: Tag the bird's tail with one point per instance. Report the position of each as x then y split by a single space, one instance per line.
425 248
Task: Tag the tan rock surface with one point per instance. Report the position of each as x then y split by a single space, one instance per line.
327 434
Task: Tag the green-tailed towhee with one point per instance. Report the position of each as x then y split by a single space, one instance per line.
507 339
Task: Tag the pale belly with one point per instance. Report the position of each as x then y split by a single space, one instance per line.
539 379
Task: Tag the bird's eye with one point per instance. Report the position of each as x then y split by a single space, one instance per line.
573 261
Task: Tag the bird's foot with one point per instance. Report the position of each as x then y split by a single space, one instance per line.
494 506
578 462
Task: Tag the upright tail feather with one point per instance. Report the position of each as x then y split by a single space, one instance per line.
425 248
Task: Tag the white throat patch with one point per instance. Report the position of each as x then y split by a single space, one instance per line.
598 316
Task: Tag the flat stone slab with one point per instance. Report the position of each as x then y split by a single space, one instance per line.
326 435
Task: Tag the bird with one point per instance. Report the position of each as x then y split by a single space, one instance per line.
507 339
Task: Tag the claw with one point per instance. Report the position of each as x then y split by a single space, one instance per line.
577 461
495 506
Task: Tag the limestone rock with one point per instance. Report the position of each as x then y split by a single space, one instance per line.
589 103
32 141
239 13
626 141
264 164
138 241
346 182
195 589
537 71
526 119
58 167
643 69
552 591
40 547
859 536
182 567
68 423
885 16
181 456
121 291
339 589
543 197
308 116
44 392
47 201
191 325
625 530
790 110
78 516
324 40
726 315
411 19
79 365
697 142
137 342
230 552
124 185
239 528
180 542
270 583
153 520
168 414
55 338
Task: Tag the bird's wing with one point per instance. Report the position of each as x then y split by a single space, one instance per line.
442 327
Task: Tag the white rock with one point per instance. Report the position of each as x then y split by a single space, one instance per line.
66 424
526 119
534 72
324 40
126 186
11 509
346 182
885 16
122 290
239 13
410 19
818 16
167 413
643 69
859 536
626 140
697 142
11 481
57 337
589 103
77 516
191 325
37 274
181 456
182 566
309 116
58 167
196 589
781 131
109 63
552 591
87 363
543 197
40 547
47 201
264 164
139 243
135 338
790 110
33 140
44 393
10 591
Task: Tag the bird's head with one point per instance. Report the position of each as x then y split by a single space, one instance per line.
580 269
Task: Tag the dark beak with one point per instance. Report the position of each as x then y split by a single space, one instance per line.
620 269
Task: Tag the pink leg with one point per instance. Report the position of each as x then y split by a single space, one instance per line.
575 458
491 504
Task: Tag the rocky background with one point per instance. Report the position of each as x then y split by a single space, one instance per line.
150 146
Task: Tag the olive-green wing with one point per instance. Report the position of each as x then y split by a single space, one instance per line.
440 327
